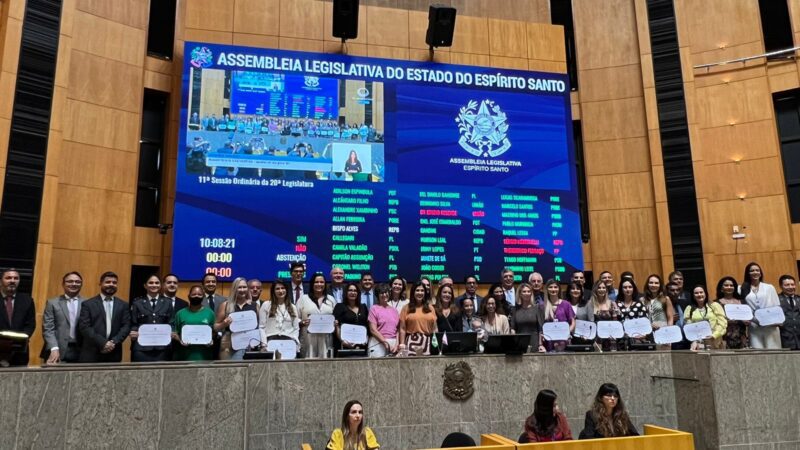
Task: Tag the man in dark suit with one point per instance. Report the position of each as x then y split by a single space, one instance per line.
60 322
104 323
299 287
171 293
471 286
18 313
212 301
256 288
790 303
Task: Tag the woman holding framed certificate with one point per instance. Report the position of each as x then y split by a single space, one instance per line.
760 295
737 335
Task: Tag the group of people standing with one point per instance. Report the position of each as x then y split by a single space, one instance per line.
398 320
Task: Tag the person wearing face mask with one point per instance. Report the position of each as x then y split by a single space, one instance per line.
150 309
790 303
194 314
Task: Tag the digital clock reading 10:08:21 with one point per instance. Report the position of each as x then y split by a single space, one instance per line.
219 257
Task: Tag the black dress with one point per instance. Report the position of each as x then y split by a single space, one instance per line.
590 430
345 315
451 323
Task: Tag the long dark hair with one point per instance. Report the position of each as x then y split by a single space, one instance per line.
581 299
347 288
634 294
273 306
543 421
426 298
311 293
722 281
746 279
360 440
618 422
500 303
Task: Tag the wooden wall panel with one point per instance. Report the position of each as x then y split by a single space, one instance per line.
134 13
734 137
605 33
100 81
121 43
733 23
735 102
98 230
110 169
471 35
624 235
302 19
388 27
256 17
546 42
613 119
766 220
620 191
611 83
212 15
508 38
101 126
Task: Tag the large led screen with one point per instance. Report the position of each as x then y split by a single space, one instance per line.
391 167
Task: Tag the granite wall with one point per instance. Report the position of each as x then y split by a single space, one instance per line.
280 404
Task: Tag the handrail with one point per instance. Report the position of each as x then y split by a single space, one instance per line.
746 58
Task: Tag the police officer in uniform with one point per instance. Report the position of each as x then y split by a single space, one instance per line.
153 308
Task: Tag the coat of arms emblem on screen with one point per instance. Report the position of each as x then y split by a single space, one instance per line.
201 57
483 129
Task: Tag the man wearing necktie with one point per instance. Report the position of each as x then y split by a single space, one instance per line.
471 286
18 313
151 309
367 291
297 271
104 324
507 281
212 301
790 303
337 284
60 322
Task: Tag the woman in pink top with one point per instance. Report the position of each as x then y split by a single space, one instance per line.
384 322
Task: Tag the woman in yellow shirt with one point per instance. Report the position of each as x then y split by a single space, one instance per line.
701 310
353 435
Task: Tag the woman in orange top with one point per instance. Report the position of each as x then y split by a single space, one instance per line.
418 321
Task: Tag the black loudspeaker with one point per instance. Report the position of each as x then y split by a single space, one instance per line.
441 24
345 19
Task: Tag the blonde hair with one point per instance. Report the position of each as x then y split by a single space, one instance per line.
231 304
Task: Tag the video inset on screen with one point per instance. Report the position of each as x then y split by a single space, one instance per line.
262 125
